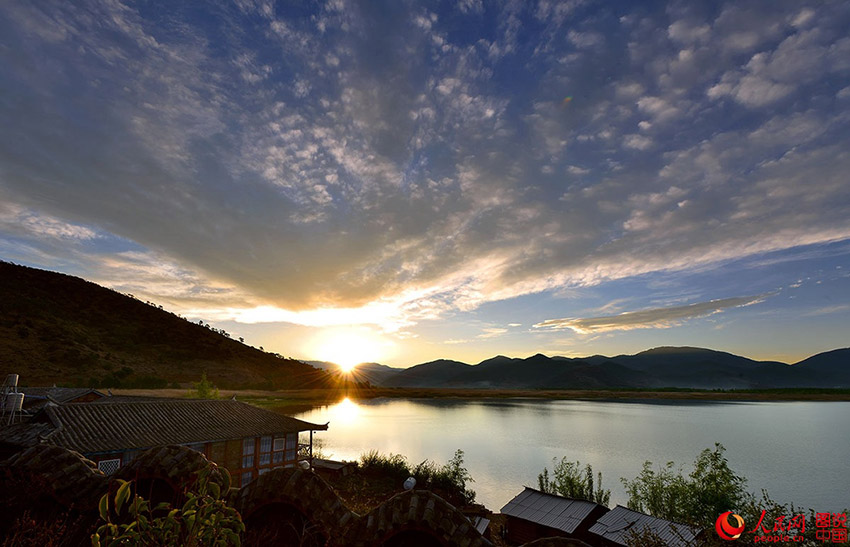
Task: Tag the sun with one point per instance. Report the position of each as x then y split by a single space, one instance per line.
347 349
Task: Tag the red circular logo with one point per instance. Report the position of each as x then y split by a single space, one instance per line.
725 529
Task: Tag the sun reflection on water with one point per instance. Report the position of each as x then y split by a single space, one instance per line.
345 412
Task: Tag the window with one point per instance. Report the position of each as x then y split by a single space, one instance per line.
291 446
248 453
279 443
264 471
109 466
265 450
248 446
247 477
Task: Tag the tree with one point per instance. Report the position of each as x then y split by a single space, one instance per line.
711 489
458 475
204 389
570 481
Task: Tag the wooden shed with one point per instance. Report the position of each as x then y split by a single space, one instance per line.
615 528
533 514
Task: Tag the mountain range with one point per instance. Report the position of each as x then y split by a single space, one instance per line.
664 367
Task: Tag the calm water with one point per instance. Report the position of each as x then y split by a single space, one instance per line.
798 451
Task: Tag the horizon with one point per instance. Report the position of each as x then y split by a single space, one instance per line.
516 357
369 182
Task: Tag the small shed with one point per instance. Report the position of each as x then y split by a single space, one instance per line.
332 468
616 526
533 514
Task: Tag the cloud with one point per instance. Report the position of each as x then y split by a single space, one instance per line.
658 318
21 222
266 164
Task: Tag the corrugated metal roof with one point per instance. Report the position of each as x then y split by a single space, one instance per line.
616 524
556 512
481 524
105 427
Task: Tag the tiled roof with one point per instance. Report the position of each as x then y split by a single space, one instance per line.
106 427
556 512
616 524
59 394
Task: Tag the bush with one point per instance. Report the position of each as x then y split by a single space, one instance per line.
569 481
204 389
394 465
711 489
449 480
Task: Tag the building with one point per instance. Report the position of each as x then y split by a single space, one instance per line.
245 439
37 397
533 514
617 525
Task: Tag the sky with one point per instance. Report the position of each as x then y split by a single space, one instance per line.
403 181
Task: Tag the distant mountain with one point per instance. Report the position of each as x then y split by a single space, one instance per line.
684 367
55 328
433 374
831 368
373 373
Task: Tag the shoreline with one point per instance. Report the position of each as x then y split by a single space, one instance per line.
321 397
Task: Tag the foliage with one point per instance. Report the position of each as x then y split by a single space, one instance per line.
204 389
204 519
450 480
387 464
708 491
663 493
570 481
30 530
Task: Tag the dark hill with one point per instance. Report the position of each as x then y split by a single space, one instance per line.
432 374
828 369
55 328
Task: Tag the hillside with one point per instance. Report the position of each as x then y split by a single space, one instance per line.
55 328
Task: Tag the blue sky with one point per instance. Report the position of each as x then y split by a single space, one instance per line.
414 180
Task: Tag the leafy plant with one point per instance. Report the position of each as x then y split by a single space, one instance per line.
204 519
569 480
204 389
708 491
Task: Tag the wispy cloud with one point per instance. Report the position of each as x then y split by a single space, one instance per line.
658 318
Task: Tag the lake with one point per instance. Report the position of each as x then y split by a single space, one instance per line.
797 451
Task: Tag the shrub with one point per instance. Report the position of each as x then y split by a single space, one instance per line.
203 389
450 480
571 482
708 491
